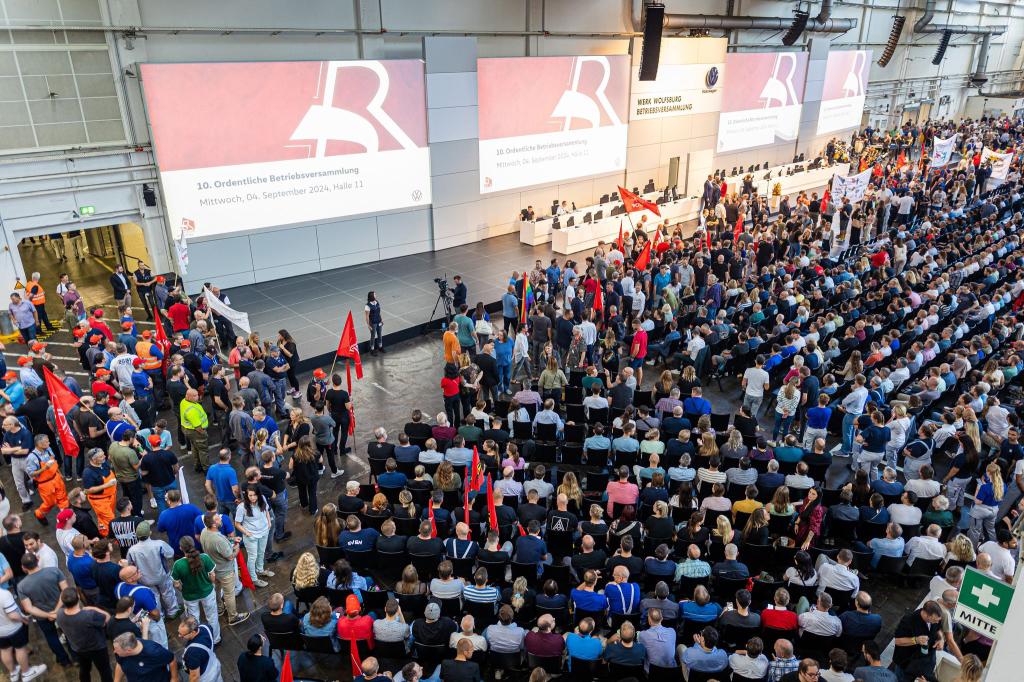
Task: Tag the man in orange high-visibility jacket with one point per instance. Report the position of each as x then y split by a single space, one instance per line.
37 297
41 466
101 487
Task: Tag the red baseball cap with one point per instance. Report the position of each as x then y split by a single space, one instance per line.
146 334
161 278
185 343
38 346
319 373
98 312
154 440
352 605
64 514
11 375
136 362
102 372
24 360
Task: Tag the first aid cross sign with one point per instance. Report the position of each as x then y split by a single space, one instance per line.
983 603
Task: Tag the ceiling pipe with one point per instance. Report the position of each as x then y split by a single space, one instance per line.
925 25
823 23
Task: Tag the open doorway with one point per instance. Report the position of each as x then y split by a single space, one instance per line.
87 256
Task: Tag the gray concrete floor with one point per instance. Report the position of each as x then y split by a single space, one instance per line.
394 384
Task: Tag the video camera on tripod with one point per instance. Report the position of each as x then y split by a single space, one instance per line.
444 299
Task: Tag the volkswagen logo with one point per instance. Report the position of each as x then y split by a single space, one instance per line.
711 78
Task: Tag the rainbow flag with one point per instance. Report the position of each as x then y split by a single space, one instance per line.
527 297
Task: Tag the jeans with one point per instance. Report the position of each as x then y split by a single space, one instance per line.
376 335
158 495
849 422
782 425
280 506
504 378
49 629
255 549
28 333
752 403
209 604
279 389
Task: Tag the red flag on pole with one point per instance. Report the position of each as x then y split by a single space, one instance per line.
163 343
738 230
599 299
433 523
632 202
357 663
348 346
645 258
824 200
244 576
63 400
474 474
620 242
707 237
492 512
286 668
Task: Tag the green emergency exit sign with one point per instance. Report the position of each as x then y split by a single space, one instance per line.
86 210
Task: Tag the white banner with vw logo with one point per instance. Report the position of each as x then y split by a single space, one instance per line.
852 187
1000 162
942 151
680 90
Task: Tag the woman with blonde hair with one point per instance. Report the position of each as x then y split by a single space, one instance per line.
522 598
853 366
986 505
708 447
971 669
410 583
405 508
446 480
570 487
652 444
687 380
307 572
723 531
786 404
734 448
327 526
971 427
960 549
663 387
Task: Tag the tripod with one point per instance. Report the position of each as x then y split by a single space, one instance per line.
443 299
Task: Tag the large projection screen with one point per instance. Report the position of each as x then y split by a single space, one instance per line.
842 99
547 119
763 99
242 146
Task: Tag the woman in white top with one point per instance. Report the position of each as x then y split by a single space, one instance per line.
898 425
802 571
787 401
252 519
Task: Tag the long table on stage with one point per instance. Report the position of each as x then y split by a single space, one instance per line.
566 240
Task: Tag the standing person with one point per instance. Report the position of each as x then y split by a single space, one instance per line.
37 297
151 557
159 469
14 640
24 318
198 659
101 488
510 309
195 575
986 507
144 281
252 520
41 466
374 322
39 592
17 443
124 460
223 551
305 467
339 405
194 423
290 351
121 286
143 660
86 630
277 369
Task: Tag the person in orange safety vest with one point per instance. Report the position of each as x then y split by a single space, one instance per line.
101 489
41 466
37 297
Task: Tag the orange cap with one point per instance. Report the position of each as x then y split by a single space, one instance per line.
146 334
24 360
10 376
38 346
127 325
319 373
102 372
78 332
352 604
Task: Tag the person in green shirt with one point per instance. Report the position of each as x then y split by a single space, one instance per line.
465 330
125 462
194 575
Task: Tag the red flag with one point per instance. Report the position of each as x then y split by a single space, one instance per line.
433 523
348 346
707 237
645 258
738 230
474 474
599 299
243 573
286 669
824 200
163 343
63 400
657 237
633 202
522 531
492 512
619 242
357 663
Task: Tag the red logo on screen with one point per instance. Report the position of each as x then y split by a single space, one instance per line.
327 122
575 104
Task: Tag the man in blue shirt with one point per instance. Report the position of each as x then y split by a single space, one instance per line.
277 370
705 656
141 660
458 454
588 599
623 596
178 520
404 452
222 482
626 442
355 538
581 644
530 548
676 423
696 404
891 545
597 441
392 477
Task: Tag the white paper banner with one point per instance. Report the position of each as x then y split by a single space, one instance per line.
181 248
942 151
1000 162
235 317
182 487
852 187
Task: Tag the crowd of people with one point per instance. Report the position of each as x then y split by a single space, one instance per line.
559 514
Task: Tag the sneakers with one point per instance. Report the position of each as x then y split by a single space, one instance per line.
339 472
240 617
260 583
32 673
265 573
152 503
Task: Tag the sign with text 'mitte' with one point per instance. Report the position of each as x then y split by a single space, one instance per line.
983 603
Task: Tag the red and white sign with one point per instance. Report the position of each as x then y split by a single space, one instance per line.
763 99
845 87
249 145
546 119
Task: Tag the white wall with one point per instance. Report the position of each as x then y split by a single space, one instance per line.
493 28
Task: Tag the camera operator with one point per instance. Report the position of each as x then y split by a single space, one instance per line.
459 292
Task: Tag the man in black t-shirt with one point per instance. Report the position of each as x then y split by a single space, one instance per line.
462 669
560 519
531 510
417 429
123 527
276 620
918 635
588 558
338 405
349 502
159 469
424 545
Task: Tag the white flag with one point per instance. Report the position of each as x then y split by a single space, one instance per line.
235 317
1000 162
181 247
182 488
942 151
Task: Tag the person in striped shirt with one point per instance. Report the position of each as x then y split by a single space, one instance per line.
480 592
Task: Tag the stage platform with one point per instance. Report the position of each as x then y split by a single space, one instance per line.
313 307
